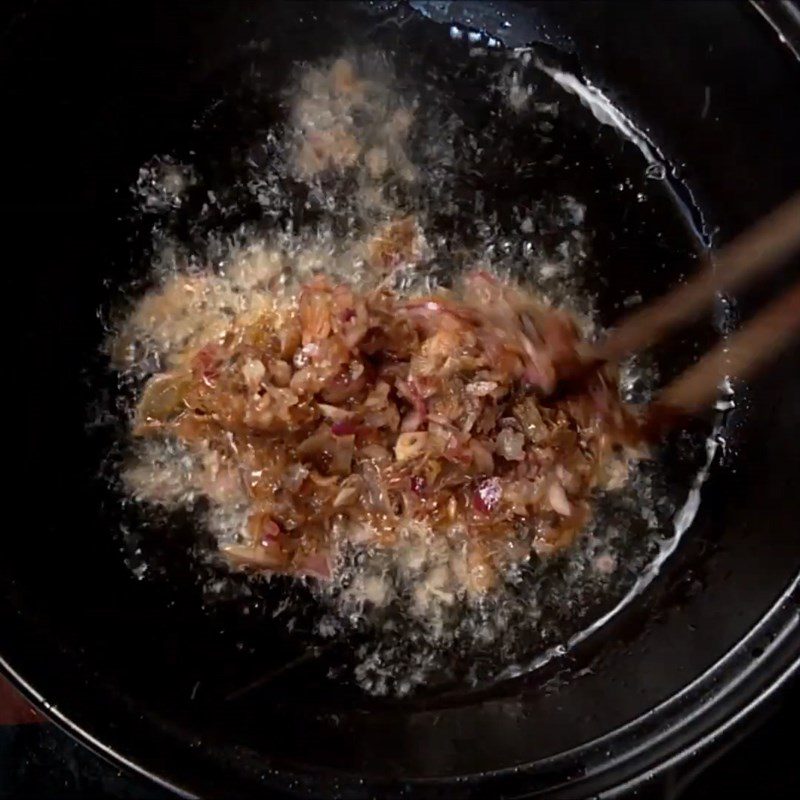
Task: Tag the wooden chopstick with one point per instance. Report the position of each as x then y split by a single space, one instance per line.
739 355
756 252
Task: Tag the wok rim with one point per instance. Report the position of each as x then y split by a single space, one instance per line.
712 706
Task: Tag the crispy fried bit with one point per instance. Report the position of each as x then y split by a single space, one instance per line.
396 244
379 411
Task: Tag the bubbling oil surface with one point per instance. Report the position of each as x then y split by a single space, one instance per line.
483 157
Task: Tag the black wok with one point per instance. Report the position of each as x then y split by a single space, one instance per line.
140 670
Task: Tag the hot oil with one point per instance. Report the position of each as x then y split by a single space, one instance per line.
503 169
